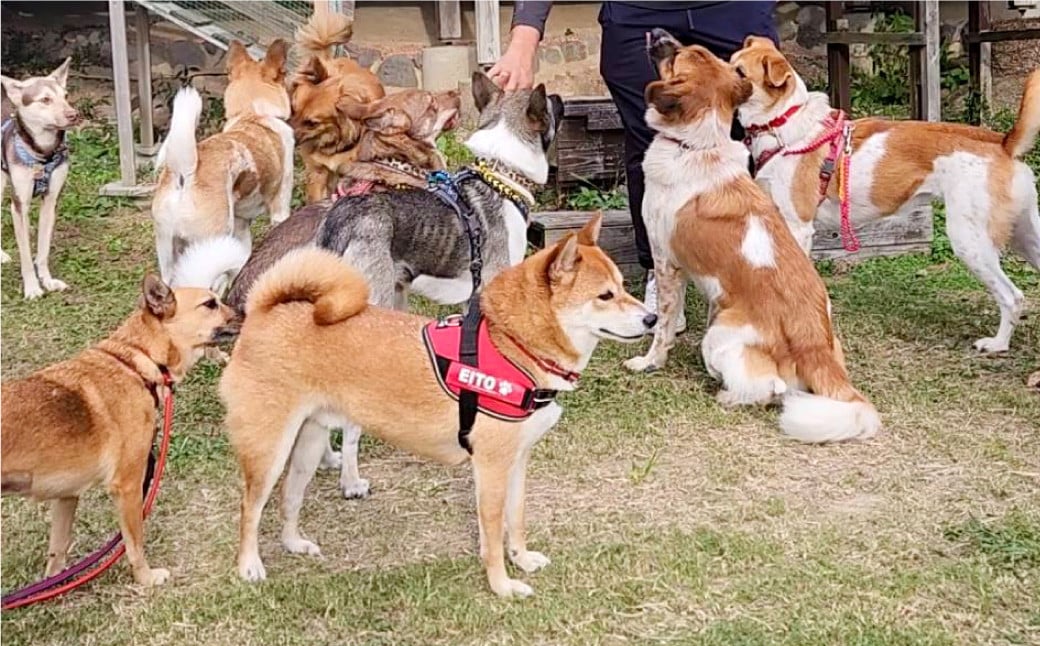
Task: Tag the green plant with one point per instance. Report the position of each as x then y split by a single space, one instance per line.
590 198
455 152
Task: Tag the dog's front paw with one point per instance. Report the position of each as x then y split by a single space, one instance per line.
331 460
641 364
53 285
300 545
152 576
357 489
252 569
529 561
511 588
991 345
33 292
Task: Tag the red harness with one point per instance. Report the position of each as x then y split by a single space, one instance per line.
837 131
504 390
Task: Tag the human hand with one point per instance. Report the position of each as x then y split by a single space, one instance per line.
515 69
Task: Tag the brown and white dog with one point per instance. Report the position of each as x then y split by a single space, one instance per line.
36 161
324 91
219 186
990 194
769 331
310 311
91 420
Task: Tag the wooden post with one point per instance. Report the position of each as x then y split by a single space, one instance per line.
978 21
838 58
144 80
917 66
449 17
932 71
124 123
488 35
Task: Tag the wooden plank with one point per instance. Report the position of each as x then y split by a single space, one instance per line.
912 39
901 229
121 79
932 71
916 67
838 57
488 38
1002 36
144 80
449 17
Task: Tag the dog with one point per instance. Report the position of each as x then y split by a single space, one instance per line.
219 186
310 311
895 166
396 150
409 239
769 332
91 420
324 91
36 161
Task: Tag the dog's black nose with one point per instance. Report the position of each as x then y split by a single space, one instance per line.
650 320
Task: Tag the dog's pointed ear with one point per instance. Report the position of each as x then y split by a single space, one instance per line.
313 71
484 90
777 70
274 60
61 74
565 260
12 89
237 55
157 297
589 234
538 108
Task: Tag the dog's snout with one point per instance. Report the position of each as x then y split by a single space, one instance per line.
650 320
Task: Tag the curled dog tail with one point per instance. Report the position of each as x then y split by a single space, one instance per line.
1023 135
336 290
211 263
323 31
835 411
178 151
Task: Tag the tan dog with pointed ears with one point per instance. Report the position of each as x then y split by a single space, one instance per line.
310 312
897 166
769 326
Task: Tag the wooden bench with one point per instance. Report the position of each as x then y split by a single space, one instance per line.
891 236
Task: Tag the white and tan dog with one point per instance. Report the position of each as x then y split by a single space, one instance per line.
36 161
769 331
313 355
219 186
896 166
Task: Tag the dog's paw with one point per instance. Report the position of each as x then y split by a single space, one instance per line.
529 561
152 576
53 285
512 588
356 489
301 546
640 364
252 569
33 292
331 460
991 345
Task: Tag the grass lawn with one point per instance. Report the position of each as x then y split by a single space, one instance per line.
667 518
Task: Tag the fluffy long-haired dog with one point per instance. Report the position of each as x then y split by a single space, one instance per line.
769 332
36 161
990 194
220 185
324 90
91 420
310 312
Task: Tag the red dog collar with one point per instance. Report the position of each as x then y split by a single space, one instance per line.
773 124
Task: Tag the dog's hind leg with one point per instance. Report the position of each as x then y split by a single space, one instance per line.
63 512
48 216
350 481
21 194
1026 236
974 247
310 444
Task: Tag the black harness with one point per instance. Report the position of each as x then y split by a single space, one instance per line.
446 187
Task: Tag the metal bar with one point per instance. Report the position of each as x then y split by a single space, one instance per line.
121 78
838 60
144 79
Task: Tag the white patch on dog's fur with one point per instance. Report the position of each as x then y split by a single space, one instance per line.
757 247
446 291
516 226
814 419
500 143
723 350
709 286
211 263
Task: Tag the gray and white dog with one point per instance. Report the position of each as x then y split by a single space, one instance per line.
36 161
410 240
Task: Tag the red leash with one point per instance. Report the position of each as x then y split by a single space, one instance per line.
44 590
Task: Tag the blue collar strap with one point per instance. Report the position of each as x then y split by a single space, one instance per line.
43 167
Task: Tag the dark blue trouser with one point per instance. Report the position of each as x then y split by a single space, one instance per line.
626 67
